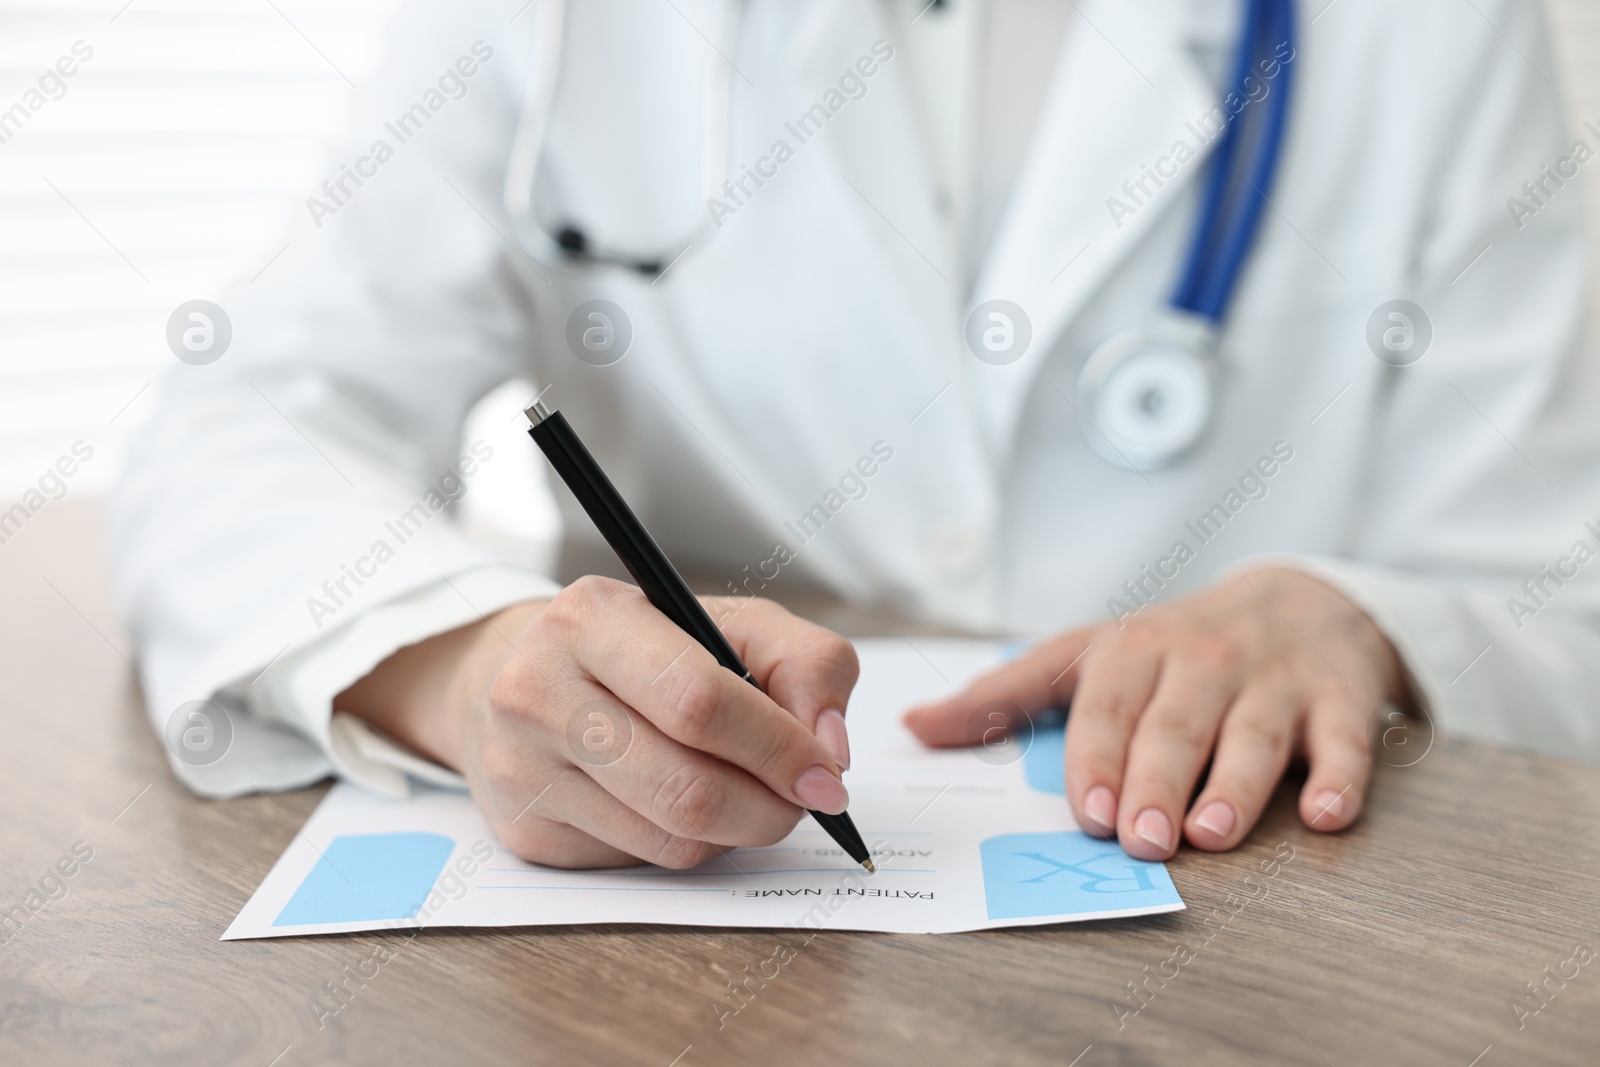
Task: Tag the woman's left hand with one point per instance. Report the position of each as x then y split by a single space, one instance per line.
1244 675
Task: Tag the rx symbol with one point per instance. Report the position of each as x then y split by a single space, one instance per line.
1092 880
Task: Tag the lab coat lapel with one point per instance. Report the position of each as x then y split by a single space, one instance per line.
1127 89
881 150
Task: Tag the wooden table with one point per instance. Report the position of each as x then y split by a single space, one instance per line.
1402 941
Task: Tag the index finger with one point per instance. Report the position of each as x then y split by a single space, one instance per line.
655 668
806 668
1043 677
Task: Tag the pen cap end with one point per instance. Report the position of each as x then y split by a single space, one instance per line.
537 413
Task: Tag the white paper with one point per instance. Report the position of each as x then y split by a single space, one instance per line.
964 839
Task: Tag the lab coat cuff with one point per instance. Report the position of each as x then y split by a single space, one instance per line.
298 689
1411 612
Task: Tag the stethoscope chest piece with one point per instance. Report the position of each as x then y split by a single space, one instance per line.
1147 395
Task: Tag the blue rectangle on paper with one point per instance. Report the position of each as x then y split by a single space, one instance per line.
362 877
1067 873
1044 760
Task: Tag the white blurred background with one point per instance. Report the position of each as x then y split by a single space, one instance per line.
167 170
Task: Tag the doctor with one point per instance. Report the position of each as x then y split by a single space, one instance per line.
1237 345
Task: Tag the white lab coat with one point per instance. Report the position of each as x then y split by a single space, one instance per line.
826 317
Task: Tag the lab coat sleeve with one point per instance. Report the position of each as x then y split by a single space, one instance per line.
284 521
297 691
1478 549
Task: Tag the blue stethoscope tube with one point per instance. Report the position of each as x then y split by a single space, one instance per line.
1232 209
1148 395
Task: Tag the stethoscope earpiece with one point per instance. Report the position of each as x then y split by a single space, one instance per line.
568 244
574 243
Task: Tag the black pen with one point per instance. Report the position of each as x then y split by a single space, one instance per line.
650 567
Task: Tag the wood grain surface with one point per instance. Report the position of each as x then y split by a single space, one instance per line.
1403 941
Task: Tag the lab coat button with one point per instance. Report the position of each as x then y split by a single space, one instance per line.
954 550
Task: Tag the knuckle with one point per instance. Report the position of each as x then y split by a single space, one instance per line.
836 649
694 700
1334 695
576 605
565 612
1091 766
764 606
1177 725
681 853
501 770
775 756
745 612
688 800
1280 677
1219 654
513 690
1138 636
1269 735
536 844
506 694
1263 739
1143 789
1106 709
1360 744
1345 723
590 588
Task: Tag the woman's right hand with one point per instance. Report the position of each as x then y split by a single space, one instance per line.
595 733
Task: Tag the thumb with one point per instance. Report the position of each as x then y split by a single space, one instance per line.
1041 678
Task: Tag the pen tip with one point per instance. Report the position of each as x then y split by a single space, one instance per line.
868 865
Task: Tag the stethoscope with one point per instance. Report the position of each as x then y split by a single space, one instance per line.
565 242
1146 396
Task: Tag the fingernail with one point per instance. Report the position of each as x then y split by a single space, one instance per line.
1218 817
820 790
1329 804
1101 807
834 737
1154 826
